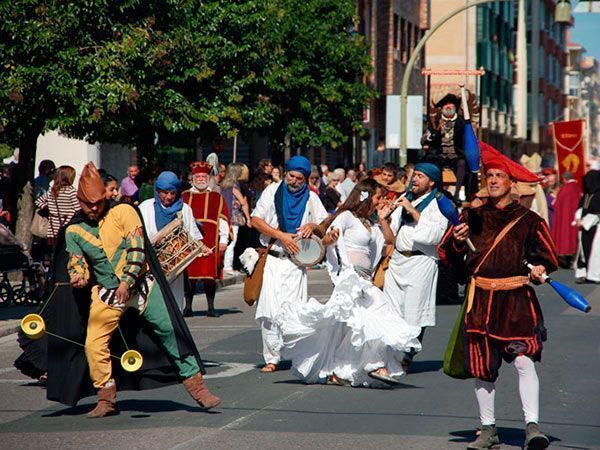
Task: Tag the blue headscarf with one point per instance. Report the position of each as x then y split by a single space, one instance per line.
299 164
166 181
290 206
435 174
431 170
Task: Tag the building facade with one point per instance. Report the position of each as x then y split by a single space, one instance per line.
479 37
495 52
393 28
583 95
523 52
546 67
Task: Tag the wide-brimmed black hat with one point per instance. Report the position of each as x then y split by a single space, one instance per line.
448 98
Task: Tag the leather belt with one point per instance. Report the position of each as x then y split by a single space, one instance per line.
276 254
409 253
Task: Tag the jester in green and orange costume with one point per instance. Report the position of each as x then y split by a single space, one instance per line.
108 254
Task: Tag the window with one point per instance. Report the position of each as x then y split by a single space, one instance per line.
403 40
395 30
409 40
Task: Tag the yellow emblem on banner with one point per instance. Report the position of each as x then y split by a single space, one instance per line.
571 163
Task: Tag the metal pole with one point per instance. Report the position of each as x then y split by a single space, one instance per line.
235 148
413 58
428 95
481 93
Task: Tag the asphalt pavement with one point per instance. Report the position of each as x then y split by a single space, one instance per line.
428 411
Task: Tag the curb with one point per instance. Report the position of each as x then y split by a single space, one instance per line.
232 280
9 327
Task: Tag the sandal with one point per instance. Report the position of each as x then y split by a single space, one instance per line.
334 380
268 368
385 378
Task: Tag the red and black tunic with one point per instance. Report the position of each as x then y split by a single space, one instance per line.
502 323
208 207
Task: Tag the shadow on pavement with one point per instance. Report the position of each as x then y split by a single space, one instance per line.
283 365
221 312
141 406
425 366
508 436
385 387
8 312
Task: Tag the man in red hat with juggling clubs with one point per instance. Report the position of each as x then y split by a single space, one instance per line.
212 216
501 318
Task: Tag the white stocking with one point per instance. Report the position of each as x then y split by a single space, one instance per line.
485 392
529 388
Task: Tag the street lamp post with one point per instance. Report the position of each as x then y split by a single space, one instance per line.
411 62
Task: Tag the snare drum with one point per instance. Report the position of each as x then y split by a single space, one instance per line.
311 252
175 249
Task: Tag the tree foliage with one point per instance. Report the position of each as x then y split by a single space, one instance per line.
125 71
320 64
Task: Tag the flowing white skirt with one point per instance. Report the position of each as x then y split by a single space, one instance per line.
355 332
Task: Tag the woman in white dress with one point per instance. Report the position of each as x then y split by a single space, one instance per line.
356 338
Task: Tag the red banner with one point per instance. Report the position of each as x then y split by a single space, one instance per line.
569 147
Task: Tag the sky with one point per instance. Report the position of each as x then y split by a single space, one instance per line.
585 32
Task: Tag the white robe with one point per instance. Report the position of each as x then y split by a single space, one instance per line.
282 280
357 331
591 271
187 215
410 283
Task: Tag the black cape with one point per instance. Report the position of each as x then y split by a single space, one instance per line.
66 315
589 204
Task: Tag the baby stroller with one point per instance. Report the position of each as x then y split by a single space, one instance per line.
14 259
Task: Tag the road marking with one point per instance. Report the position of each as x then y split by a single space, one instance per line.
9 339
233 369
22 381
224 327
196 441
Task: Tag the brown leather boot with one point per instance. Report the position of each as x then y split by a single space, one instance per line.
199 392
107 400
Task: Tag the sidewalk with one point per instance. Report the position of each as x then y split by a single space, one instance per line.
10 316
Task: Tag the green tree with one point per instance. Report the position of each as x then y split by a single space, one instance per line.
320 63
125 71
196 69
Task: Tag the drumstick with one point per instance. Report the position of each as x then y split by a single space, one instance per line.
210 250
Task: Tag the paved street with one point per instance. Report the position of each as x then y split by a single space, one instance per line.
430 411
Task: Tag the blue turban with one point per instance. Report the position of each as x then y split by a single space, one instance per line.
166 181
299 164
431 170
435 174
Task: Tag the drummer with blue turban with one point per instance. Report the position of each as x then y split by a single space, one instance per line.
285 211
418 226
166 206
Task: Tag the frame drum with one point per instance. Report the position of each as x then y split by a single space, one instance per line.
175 248
311 252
